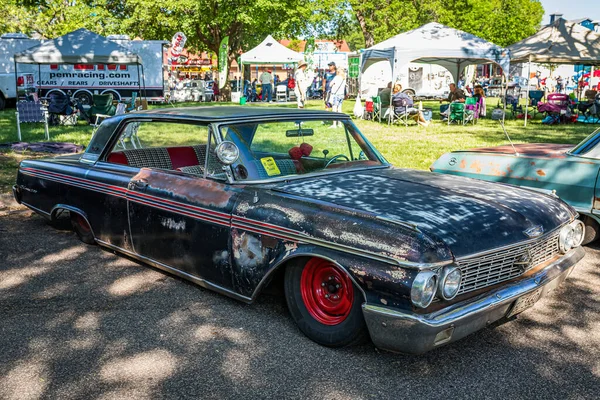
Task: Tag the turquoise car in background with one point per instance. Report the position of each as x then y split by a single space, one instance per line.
571 173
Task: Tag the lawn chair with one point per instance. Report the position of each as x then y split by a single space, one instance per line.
471 110
31 112
61 110
131 104
557 108
457 113
512 104
401 113
535 97
281 93
377 108
102 108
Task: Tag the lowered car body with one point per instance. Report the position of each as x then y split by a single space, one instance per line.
258 196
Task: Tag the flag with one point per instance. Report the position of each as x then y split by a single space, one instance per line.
223 53
177 44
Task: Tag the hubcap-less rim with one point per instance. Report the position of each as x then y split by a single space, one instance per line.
327 291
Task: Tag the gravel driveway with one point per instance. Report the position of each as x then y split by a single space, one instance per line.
79 322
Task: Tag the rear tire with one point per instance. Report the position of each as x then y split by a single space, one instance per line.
82 229
311 286
592 230
2 102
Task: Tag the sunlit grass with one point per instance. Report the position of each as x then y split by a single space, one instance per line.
409 147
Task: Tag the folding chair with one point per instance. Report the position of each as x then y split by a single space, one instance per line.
31 112
281 93
457 113
377 108
102 108
471 113
61 110
535 97
401 116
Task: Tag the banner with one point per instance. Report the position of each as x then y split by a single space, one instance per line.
177 44
223 53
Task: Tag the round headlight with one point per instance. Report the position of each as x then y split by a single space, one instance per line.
227 152
450 279
423 288
566 238
578 232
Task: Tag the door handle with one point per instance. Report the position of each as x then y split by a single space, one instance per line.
141 184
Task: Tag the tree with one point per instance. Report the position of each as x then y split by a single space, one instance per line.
207 22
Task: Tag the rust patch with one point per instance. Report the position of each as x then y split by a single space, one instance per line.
532 163
463 164
194 190
248 251
597 203
476 165
540 172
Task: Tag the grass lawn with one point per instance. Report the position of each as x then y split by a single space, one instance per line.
410 147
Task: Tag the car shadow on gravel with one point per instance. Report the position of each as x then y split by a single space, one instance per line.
80 322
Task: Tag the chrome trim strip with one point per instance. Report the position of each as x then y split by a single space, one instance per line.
37 210
167 268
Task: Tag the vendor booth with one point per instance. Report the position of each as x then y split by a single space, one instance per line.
438 44
561 42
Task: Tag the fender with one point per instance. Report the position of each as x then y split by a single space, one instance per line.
71 209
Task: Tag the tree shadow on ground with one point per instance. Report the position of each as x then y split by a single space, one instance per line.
79 322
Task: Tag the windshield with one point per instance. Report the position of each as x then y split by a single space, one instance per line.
590 146
301 147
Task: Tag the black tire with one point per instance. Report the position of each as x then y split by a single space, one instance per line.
84 98
592 230
350 331
82 229
2 102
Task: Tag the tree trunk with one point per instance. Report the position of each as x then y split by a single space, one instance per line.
367 34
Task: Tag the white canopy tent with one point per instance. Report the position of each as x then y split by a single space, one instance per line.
79 47
561 42
435 43
270 51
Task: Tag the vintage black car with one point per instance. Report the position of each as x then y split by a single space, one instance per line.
236 199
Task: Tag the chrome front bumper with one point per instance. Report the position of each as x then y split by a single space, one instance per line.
397 331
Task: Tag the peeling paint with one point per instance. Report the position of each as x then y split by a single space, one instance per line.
383 301
398 274
540 172
247 250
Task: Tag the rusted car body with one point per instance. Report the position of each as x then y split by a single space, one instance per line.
569 172
415 259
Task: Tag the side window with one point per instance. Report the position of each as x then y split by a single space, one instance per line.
172 146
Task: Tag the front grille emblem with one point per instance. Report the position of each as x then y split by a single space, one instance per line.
534 231
524 261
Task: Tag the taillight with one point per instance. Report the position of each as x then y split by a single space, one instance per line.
20 81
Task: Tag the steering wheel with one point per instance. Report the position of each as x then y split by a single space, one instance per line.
332 159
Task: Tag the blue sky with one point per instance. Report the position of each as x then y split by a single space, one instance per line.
571 9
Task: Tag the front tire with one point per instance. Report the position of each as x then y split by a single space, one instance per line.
324 303
592 230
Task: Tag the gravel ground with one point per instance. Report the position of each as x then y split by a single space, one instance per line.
78 322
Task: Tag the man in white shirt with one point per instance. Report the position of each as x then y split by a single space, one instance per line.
266 80
302 83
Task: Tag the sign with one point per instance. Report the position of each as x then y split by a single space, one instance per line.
270 166
223 53
177 44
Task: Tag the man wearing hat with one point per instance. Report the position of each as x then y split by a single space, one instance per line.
327 78
266 80
301 84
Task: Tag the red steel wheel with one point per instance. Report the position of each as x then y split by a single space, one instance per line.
327 291
82 229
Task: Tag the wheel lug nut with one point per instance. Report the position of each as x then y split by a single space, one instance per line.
331 278
323 284
326 296
336 297
337 286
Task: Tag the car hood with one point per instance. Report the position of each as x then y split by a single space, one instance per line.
467 214
529 149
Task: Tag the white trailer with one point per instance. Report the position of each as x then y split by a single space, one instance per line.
81 81
9 45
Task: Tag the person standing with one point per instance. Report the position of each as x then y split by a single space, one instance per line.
338 93
301 86
327 79
266 80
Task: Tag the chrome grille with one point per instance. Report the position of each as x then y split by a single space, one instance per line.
493 268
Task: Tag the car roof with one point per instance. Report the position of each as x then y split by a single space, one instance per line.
235 113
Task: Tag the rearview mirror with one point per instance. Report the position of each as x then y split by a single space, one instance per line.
299 132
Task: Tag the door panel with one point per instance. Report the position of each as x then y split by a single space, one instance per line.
183 222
